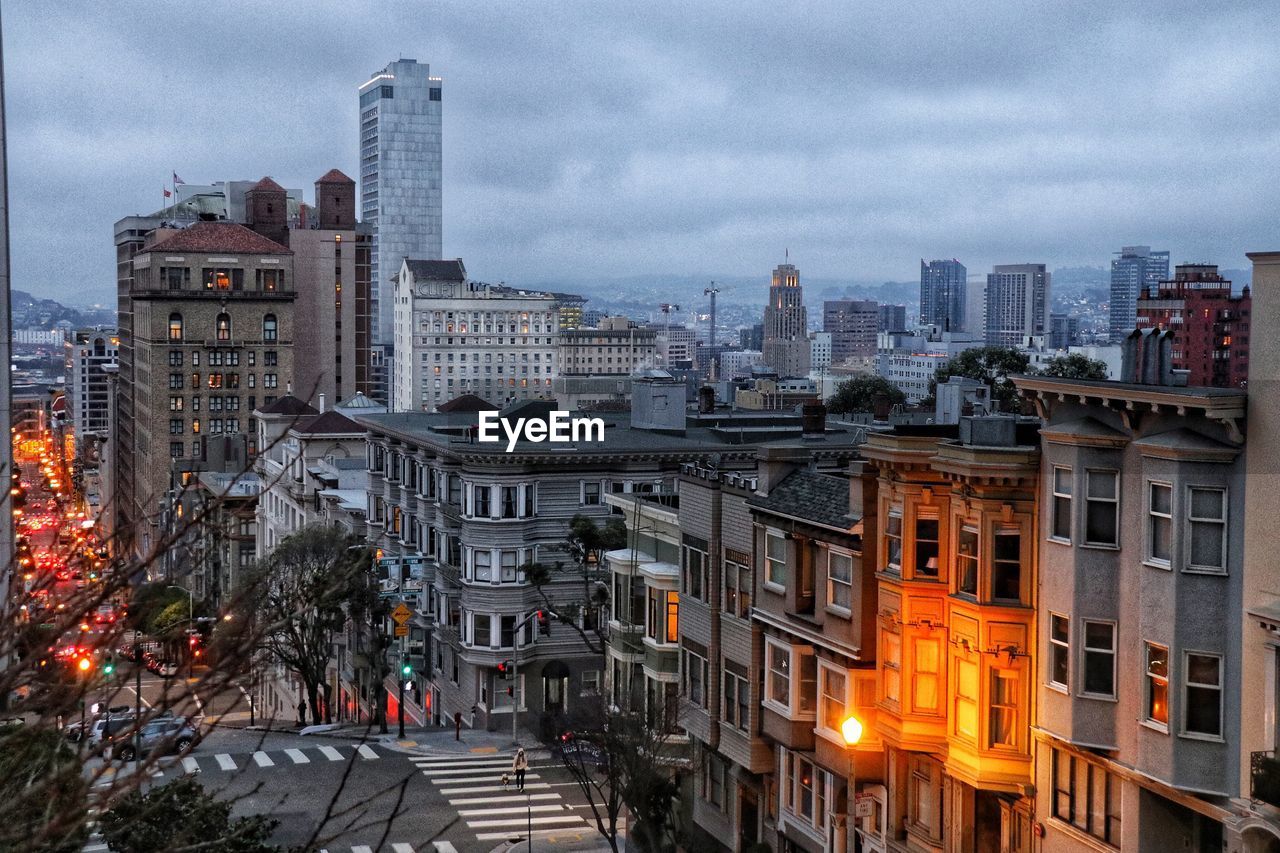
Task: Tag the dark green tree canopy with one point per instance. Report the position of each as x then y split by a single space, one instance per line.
1075 366
859 393
992 365
178 816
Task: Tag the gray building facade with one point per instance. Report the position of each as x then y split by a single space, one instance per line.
1017 303
1134 270
942 294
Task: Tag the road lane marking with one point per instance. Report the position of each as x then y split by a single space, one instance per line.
444 847
458 762
333 755
567 831
478 779
513 810
224 761
361 848
263 759
565 819
482 789
366 751
459 771
139 695
516 798
297 756
402 848
189 765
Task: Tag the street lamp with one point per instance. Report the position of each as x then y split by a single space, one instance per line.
851 730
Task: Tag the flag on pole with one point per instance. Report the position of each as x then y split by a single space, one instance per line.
177 180
167 194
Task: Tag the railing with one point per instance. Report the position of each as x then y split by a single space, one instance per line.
1264 774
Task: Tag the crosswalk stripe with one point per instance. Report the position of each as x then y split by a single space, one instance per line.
489 778
522 821
402 848
298 756
90 848
263 759
537 833
460 771
366 751
225 762
189 765
361 848
333 755
526 809
459 762
481 789
518 798
444 847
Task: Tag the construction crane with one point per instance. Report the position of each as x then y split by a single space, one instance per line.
711 291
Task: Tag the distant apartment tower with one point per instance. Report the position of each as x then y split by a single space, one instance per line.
820 350
88 384
1064 331
852 325
786 336
460 337
1134 271
1210 326
752 337
942 295
893 318
400 180
1017 303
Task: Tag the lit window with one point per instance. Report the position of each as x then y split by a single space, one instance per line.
1004 708
175 327
893 541
1157 684
222 327
926 547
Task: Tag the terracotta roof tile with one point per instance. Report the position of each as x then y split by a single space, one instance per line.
267 184
333 176
219 237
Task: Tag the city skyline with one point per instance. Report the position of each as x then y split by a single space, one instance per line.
644 183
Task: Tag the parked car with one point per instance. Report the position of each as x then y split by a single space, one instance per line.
160 737
581 752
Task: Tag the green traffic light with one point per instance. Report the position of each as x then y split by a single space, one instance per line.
406 669
108 668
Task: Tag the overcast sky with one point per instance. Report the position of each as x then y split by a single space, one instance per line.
612 138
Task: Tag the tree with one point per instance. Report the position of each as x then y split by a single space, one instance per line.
368 609
180 815
300 599
992 365
43 794
859 394
621 759
1075 366
586 544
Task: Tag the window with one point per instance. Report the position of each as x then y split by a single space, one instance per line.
1059 650
892 642
1061 504
833 687
695 678
924 799
223 278
175 358
481 501
779 681
1207 529
270 328
926 547
483 561
737 699
839 581
270 380
893 541
222 327
175 381
1004 708
1157 684
175 327
433 93
175 404
270 280
175 426
509 502
967 561
175 449
1006 567
966 698
591 493
176 278
776 560
713 778
925 680
1099 658
591 682
695 573
737 588
1159 522
1085 796
673 616
1102 508
1202 695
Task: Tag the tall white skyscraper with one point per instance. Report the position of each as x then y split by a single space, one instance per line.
1134 271
400 178
1017 303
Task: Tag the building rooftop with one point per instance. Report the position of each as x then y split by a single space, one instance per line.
289 405
266 184
333 176
818 498
437 270
218 237
329 423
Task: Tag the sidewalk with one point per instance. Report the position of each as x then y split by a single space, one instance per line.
428 740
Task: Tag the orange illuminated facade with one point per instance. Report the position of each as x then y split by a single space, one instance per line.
956 576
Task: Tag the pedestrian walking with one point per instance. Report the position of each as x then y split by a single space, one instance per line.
520 764
302 713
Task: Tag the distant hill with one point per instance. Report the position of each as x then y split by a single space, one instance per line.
30 312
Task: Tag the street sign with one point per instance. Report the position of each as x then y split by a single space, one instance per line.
402 630
402 614
862 805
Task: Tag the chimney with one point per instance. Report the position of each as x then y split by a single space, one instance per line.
321 404
813 419
706 400
776 462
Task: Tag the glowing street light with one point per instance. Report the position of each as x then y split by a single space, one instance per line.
851 730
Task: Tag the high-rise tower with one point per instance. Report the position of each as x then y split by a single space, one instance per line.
942 294
400 179
786 338
1017 303
1135 271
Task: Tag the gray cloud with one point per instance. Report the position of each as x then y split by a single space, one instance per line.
608 139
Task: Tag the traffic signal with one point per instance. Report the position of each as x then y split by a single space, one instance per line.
511 691
544 623
506 669
84 664
109 665
406 670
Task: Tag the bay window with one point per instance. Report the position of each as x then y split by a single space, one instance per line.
833 702
1207 529
967 561
1202 695
1159 523
1006 566
1061 487
840 580
1156 684
1099 659
1059 650
1102 508
776 560
926 564
893 541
